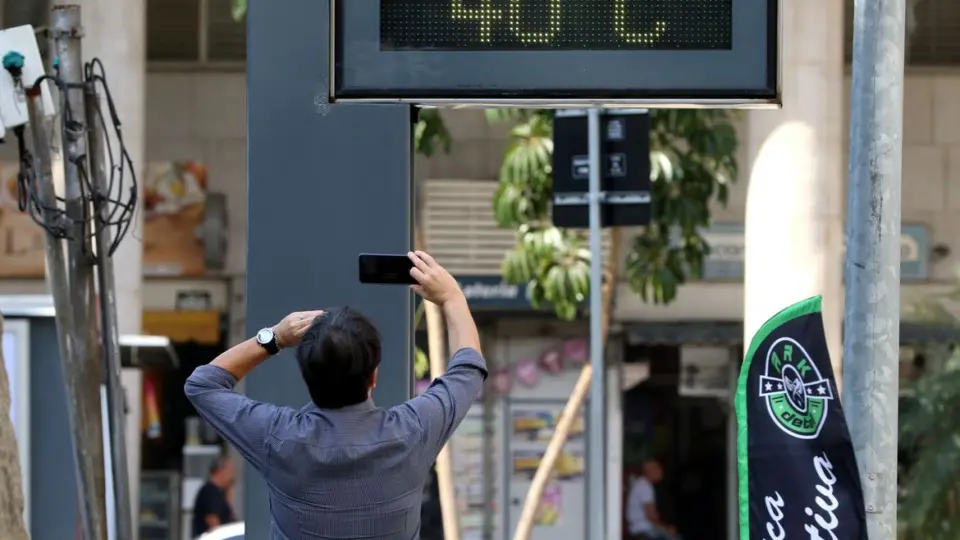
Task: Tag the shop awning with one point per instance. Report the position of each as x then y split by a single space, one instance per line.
726 333
184 326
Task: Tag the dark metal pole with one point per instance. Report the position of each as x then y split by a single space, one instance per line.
871 342
57 278
83 370
596 470
109 333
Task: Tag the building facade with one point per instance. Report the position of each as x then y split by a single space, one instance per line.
196 114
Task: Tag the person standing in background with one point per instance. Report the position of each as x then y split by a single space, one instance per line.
643 519
212 506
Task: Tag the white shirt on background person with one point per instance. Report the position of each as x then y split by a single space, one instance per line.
641 494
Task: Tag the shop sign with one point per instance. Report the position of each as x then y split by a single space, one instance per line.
914 253
726 259
494 292
725 262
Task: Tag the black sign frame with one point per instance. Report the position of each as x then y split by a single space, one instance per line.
747 75
625 181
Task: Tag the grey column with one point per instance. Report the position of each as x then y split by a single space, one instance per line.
794 207
324 184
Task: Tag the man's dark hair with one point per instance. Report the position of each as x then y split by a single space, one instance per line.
337 357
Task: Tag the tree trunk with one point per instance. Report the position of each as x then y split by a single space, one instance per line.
438 364
572 409
12 526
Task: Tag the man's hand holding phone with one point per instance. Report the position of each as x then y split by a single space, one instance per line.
434 283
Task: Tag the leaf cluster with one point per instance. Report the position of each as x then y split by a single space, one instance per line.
929 436
693 162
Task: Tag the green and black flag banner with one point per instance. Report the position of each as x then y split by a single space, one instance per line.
798 473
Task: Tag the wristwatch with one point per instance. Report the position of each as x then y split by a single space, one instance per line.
267 339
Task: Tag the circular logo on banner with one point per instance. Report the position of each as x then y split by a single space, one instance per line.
797 395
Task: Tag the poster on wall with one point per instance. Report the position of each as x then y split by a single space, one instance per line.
469 459
173 203
549 512
532 423
570 464
538 424
21 239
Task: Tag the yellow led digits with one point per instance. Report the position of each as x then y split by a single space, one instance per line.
485 15
556 25
542 37
620 25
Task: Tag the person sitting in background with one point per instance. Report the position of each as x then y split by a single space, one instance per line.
643 519
212 507
341 467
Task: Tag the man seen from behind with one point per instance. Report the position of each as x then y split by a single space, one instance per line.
341 467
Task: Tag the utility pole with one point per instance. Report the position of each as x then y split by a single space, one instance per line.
113 394
597 470
872 319
88 211
83 371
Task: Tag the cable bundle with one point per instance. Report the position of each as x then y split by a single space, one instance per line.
119 210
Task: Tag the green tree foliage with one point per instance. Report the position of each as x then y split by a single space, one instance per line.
421 363
239 9
430 134
929 506
930 487
693 162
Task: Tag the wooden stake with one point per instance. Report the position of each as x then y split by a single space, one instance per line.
572 409
438 361
438 365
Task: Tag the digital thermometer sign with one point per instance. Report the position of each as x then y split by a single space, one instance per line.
460 25
651 53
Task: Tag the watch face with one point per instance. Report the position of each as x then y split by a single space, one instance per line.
265 336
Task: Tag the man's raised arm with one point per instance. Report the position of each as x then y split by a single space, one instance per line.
442 407
243 422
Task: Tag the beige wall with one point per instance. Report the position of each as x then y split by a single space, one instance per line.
202 116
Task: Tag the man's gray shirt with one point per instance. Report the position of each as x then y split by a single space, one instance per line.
351 473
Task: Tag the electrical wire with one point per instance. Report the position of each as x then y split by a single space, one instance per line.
110 208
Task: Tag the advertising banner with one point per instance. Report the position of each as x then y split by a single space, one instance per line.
798 475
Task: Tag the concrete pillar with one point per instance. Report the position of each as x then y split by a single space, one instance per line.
343 164
115 32
795 200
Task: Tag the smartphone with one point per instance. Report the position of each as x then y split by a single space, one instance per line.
386 269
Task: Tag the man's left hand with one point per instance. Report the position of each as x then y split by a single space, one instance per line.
291 329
